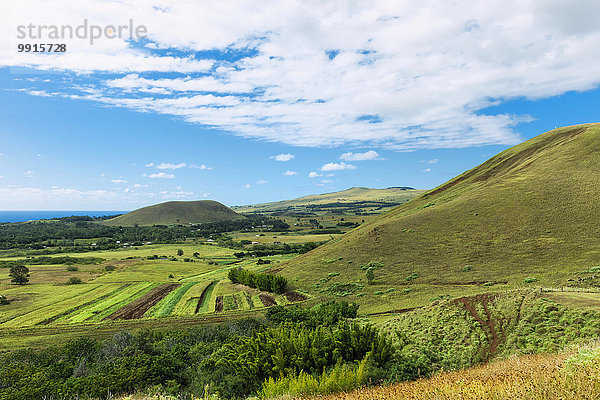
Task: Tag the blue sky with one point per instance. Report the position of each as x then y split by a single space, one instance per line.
246 104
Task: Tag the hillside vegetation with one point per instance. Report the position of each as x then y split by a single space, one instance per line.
177 212
526 215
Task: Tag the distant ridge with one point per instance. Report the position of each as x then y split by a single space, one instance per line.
397 195
177 212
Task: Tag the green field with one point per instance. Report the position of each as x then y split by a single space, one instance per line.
46 304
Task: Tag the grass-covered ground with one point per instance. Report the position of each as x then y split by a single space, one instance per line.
524 217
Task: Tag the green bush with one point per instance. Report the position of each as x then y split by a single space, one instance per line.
342 377
109 268
72 268
530 280
467 268
73 281
412 277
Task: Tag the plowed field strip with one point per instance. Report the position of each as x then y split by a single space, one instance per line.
138 307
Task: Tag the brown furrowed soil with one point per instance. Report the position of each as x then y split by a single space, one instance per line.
219 304
267 299
138 307
294 296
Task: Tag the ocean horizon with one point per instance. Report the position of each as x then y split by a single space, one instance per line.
32 215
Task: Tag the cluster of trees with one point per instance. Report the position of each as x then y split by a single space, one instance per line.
263 250
64 231
233 360
326 314
45 260
266 282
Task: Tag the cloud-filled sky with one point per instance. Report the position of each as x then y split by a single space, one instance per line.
246 101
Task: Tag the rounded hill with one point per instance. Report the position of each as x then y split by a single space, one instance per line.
177 212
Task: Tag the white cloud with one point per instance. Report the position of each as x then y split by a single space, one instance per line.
150 165
161 175
118 181
433 161
170 166
368 155
290 173
337 166
283 157
24 198
139 185
1 177
38 155
261 182
201 166
404 75
28 174
246 186
426 170
314 175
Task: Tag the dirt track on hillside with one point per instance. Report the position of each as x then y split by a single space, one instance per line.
138 307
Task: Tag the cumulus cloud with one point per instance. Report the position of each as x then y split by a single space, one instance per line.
246 186
368 155
426 170
290 173
337 166
261 182
28 174
118 181
314 175
283 157
394 75
170 166
139 185
161 175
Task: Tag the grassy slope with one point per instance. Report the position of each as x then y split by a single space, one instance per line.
563 376
355 194
528 211
174 212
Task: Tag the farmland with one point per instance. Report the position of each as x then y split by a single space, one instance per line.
128 284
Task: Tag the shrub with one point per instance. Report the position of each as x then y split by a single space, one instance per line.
530 280
74 281
467 268
3 300
72 268
371 264
109 268
412 276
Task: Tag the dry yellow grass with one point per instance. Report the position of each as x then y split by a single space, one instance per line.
522 378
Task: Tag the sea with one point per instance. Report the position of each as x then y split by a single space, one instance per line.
23 216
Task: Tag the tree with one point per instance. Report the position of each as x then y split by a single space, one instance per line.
19 274
179 252
370 275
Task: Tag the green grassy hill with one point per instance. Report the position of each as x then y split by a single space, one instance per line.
528 215
177 212
353 195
